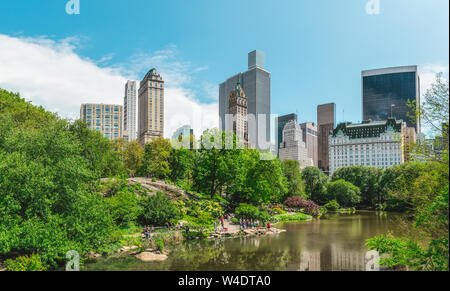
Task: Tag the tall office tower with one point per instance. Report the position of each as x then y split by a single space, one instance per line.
151 107
292 147
280 123
310 137
386 92
129 111
237 106
374 144
326 120
256 84
106 118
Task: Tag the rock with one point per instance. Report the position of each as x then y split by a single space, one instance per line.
151 257
3 270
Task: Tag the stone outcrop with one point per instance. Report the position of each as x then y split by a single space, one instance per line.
151 257
172 192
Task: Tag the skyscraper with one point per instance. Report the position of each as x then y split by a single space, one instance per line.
292 147
386 92
280 123
106 118
151 107
238 108
129 111
310 137
326 120
256 84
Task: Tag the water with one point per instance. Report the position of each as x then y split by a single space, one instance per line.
335 243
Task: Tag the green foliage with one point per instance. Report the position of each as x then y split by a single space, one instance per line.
367 179
156 158
158 210
315 184
160 245
291 170
181 164
247 211
131 154
124 207
290 217
332 205
205 206
25 263
345 193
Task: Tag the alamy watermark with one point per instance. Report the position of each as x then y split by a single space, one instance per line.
74 261
373 7
73 7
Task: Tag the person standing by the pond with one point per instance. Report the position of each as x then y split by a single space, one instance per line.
268 225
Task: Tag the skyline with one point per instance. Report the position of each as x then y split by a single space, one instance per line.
322 63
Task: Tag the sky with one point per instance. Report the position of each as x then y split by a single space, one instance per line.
314 49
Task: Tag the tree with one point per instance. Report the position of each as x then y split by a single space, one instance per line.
181 163
345 193
158 210
367 179
315 184
133 157
156 158
124 206
291 170
216 164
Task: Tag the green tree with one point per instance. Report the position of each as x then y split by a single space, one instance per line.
345 193
133 157
367 179
158 210
181 163
291 170
156 158
124 206
315 184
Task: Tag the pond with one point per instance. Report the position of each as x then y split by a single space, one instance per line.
333 243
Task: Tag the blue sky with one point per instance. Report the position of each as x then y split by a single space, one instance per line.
315 49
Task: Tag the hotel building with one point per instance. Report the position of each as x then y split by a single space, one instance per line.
292 147
376 144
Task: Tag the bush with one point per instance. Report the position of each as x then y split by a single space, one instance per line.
158 210
208 206
309 207
345 193
332 205
25 263
247 211
124 207
290 217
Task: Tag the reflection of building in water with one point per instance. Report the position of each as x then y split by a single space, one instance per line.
309 262
344 260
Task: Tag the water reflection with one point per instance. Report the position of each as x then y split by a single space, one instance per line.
335 243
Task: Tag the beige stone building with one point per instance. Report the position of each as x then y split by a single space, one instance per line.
106 118
238 109
151 107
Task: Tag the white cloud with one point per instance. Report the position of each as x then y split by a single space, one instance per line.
50 73
428 76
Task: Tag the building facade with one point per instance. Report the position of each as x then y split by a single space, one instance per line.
238 109
310 137
280 123
106 118
151 107
292 147
326 120
386 92
375 144
256 84
129 111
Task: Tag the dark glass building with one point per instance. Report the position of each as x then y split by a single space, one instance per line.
386 92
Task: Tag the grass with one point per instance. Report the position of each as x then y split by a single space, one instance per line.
290 217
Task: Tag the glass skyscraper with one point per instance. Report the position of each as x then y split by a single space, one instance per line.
386 92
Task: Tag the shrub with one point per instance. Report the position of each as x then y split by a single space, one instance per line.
345 193
25 263
332 205
158 210
247 211
291 217
309 207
